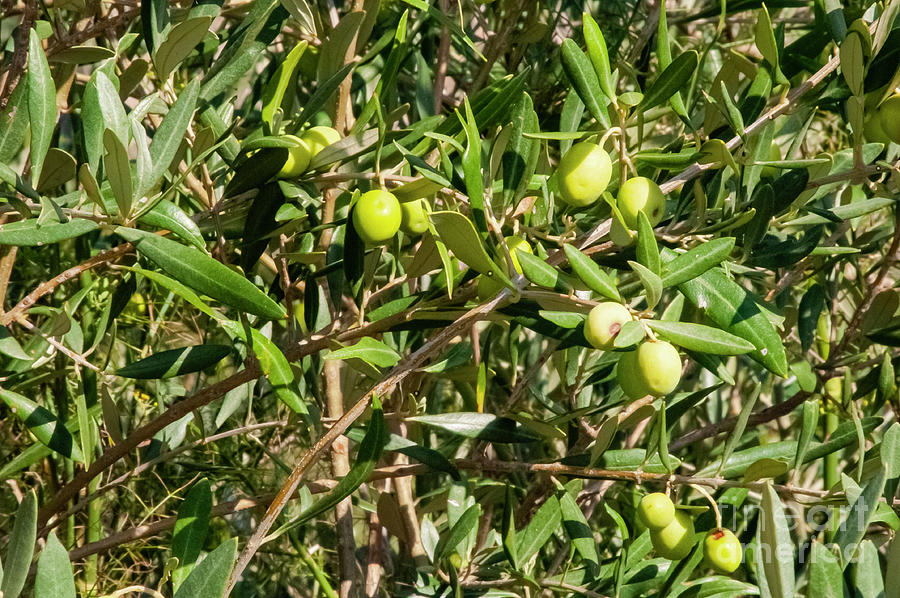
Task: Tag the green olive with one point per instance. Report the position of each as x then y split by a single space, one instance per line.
890 117
722 550
298 159
604 323
377 216
640 194
656 511
629 378
414 220
675 541
583 174
318 138
659 367
873 131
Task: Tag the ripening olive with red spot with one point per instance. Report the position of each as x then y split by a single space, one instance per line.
377 216
656 511
676 540
604 323
640 194
583 174
722 550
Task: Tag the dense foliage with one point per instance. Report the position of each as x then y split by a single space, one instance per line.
411 298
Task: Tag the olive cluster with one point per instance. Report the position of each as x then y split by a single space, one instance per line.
672 535
377 214
653 368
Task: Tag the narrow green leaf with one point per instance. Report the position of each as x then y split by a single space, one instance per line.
578 530
118 171
41 104
179 43
273 94
21 547
54 577
584 80
334 49
518 166
509 527
826 579
203 273
82 55
774 537
484 426
459 532
210 577
15 119
734 309
698 337
652 283
540 528
25 233
591 274
541 273
853 529
471 160
459 235
647 250
175 362
671 80
892 575
170 134
808 424
43 424
371 351
599 55
278 371
191 527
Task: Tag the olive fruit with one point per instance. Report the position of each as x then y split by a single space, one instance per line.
629 378
583 174
413 219
318 138
656 511
774 156
659 367
873 131
487 286
298 159
890 117
377 216
640 194
675 541
722 550
604 323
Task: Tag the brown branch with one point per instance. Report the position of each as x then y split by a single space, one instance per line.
760 417
382 389
396 472
308 346
20 55
47 287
